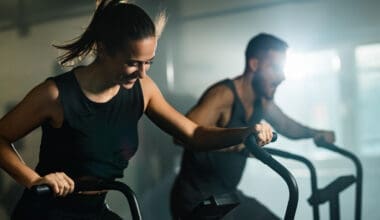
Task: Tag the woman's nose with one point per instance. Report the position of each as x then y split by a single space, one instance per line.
142 70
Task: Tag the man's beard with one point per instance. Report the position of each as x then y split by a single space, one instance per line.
259 87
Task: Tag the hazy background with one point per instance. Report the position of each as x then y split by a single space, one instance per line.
333 82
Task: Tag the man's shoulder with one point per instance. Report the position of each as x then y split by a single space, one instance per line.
220 88
224 83
219 92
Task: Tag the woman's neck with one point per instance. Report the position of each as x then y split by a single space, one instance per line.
95 78
95 84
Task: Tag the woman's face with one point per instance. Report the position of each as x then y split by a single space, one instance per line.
133 63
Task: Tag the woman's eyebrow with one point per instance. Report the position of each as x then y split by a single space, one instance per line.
135 60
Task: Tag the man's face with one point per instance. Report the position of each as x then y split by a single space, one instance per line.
269 74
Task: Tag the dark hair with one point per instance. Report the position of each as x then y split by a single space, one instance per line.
113 25
260 44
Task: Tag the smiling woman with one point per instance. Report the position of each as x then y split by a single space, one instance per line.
89 116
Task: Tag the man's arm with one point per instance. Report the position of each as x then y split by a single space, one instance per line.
212 110
209 108
212 107
194 136
292 129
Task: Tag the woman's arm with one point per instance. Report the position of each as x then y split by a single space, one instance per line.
39 105
192 135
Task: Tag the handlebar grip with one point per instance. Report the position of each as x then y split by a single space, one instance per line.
42 190
324 144
251 144
251 139
274 138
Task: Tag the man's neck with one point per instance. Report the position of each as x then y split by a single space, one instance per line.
244 84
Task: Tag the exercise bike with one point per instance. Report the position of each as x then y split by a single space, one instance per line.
216 207
97 185
329 193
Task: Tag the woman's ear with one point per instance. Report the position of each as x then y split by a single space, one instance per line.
100 50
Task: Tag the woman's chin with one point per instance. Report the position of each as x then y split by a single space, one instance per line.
128 84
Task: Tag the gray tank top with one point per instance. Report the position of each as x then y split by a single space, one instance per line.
212 173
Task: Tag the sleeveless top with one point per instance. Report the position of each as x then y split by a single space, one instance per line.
204 174
95 139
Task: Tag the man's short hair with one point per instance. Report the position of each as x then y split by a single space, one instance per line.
260 44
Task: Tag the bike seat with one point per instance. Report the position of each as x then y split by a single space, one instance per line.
215 207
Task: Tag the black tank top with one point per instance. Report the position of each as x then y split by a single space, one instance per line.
212 173
95 139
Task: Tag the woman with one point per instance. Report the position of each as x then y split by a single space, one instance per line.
89 116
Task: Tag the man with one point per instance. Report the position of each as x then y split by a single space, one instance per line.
243 101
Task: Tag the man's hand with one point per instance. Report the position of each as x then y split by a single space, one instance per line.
321 137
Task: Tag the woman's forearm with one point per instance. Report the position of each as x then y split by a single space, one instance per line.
214 138
11 163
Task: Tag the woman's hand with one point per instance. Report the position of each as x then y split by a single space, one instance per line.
263 133
59 182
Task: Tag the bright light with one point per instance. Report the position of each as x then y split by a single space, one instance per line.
300 65
367 56
170 70
336 64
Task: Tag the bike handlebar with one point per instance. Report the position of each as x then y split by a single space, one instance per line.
267 159
96 185
359 171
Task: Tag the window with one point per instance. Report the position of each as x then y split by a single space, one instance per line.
368 72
